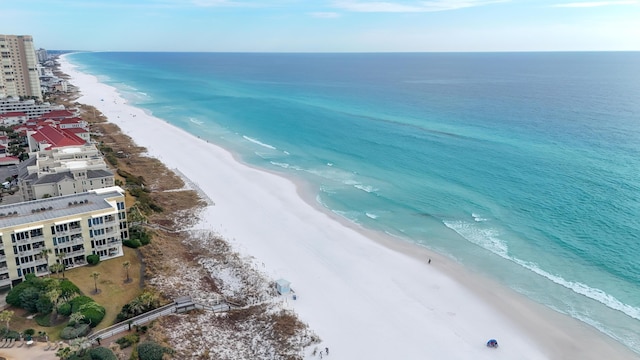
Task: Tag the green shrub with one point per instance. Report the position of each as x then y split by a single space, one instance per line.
77 356
68 289
64 309
139 233
13 297
72 332
12 334
93 259
78 301
44 305
29 332
102 353
111 159
128 340
93 316
149 350
132 243
29 299
43 320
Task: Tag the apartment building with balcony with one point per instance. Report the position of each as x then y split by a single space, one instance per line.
71 227
63 171
30 107
19 74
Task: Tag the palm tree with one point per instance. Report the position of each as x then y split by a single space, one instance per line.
56 268
81 345
60 257
45 254
95 275
63 353
126 266
54 296
6 316
76 317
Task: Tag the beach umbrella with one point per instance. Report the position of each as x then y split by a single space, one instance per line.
492 343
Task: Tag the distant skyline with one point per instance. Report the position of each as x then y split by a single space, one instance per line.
325 25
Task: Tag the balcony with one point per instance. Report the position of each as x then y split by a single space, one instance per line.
30 240
34 262
5 282
74 253
29 252
70 231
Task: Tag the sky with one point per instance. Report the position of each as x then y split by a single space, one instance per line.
325 25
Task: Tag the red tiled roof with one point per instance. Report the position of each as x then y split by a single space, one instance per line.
56 137
75 130
73 120
9 159
57 114
12 114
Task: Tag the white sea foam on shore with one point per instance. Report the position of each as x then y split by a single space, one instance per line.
367 297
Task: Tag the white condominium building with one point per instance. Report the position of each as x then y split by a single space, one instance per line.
19 67
70 227
63 171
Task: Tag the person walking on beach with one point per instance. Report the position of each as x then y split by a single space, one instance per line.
429 262
326 350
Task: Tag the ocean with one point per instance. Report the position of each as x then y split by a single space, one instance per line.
523 167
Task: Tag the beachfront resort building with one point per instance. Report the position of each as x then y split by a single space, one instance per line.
30 107
68 229
19 73
61 171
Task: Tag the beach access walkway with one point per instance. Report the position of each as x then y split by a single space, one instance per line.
193 186
180 305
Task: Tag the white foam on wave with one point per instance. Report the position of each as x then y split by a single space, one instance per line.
478 218
371 216
286 152
583 289
196 121
484 237
255 141
365 188
285 165
488 239
329 164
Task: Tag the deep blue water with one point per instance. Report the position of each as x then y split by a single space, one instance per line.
521 166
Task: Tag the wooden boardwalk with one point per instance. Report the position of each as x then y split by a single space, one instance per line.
180 305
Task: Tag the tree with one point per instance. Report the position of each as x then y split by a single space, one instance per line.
76 318
63 353
126 266
95 275
45 254
60 257
56 268
68 290
6 316
54 296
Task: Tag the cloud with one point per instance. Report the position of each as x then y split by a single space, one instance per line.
594 4
325 15
410 6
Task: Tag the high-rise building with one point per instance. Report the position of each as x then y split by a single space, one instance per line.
19 72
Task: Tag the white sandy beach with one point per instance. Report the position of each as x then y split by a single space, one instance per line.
366 297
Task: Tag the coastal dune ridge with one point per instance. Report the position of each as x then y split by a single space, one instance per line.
367 295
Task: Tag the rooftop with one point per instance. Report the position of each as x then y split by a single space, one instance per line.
56 207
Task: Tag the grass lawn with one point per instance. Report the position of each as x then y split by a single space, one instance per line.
114 292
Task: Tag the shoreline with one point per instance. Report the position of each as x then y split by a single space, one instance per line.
466 312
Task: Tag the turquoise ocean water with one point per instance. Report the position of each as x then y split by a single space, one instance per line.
521 166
